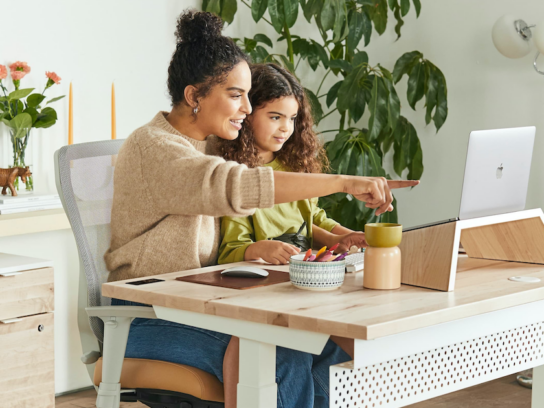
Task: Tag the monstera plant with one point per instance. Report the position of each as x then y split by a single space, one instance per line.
346 27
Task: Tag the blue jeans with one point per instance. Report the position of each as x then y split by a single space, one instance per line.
302 378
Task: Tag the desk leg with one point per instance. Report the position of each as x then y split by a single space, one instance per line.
257 386
115 343
538 387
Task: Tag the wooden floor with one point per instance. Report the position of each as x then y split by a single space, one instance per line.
501 393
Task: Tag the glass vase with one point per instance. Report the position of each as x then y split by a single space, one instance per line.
22 158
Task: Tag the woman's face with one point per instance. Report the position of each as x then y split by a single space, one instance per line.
224 109
274 123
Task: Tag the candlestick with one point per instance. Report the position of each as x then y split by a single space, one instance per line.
113 126
70 118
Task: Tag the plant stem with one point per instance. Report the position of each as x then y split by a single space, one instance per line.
323 117
262 18
323 80
289 43
300 59
342 120
331 130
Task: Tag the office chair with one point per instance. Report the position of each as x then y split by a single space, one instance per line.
84 178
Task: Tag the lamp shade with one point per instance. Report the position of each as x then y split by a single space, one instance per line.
538 37
507 40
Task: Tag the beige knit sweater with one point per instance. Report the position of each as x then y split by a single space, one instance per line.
168 195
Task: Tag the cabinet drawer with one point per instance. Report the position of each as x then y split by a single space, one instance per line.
28 293
27 378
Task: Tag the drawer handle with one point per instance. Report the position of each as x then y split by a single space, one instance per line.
7 274
8 321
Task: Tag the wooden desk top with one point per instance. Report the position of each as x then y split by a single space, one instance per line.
352 311
32 222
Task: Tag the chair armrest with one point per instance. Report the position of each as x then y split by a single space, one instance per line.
121 311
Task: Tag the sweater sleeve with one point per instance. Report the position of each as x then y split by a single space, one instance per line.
181 180
238 234
319 217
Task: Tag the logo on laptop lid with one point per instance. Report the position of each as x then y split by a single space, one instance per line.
499 171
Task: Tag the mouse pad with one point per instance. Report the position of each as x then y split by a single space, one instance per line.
216 279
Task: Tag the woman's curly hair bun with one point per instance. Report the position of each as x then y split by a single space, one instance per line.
195 26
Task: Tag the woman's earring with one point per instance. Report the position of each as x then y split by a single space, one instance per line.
196 109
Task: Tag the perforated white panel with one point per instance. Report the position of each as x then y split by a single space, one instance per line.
426 375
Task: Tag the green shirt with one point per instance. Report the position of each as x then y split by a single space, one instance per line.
240 232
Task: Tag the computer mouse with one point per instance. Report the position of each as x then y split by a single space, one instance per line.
245 272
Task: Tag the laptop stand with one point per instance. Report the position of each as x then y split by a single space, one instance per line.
429 255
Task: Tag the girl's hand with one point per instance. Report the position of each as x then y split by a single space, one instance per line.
348 240
273 252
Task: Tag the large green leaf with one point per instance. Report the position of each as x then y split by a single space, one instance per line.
404 7
20 94
378 108
367 27
416 84
276 10
263 39
340 28
317 110
34 100
375 162
328 15
290 8
405 64
350 86
228 10
441 101
46 118
32 112
318 50
400 21
359 58
431 91
341 64
415 166
333 93
337 144
249 44
258 8
20 124
355 29
417 6
380 17
213 6
393 101
312 8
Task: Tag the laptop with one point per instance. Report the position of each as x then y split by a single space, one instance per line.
496 173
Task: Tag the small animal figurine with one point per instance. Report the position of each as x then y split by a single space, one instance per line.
8 176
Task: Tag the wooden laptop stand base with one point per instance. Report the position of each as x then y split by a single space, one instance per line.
429 255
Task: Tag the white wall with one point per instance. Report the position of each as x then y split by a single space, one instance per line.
93 43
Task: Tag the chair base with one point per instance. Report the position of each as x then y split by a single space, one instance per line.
168 399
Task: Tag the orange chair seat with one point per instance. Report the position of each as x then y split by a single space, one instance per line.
162 375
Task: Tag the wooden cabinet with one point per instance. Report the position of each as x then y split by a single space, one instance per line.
27 377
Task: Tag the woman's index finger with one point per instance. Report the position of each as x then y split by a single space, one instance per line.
402 183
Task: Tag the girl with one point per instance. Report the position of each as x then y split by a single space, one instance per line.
278 134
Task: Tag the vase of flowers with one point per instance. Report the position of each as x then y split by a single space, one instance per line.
21 110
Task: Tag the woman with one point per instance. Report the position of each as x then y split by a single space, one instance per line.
169 193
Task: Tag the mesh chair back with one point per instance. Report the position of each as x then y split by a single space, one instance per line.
85 184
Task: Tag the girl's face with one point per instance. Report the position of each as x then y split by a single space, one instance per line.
273 124
223 110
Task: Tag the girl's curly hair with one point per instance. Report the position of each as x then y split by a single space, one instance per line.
302 152
203 57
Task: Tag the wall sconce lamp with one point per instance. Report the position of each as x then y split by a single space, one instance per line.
511 38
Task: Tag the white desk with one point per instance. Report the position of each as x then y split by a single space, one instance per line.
411 344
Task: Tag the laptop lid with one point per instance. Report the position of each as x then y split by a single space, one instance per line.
497 171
